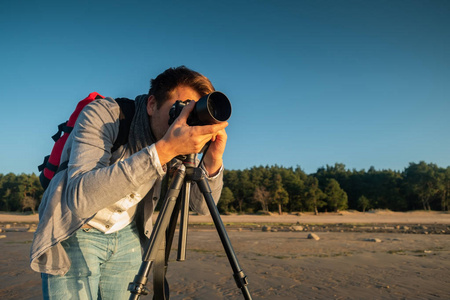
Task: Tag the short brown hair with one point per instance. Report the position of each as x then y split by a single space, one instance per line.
167 81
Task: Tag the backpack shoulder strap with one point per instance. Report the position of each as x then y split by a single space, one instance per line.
127 108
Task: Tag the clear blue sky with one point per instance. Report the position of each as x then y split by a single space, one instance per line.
363 83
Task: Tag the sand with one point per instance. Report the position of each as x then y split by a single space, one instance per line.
378 255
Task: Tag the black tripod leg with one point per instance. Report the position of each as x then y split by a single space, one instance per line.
184 219
239 276
160 284
137 287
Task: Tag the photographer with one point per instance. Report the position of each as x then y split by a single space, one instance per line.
95 215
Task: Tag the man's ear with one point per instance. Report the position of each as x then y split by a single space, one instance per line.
151 105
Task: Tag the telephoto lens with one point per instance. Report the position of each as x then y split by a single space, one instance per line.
210 109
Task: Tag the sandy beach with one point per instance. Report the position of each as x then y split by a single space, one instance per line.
376 255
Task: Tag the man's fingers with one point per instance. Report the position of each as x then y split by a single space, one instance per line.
187 110
211 129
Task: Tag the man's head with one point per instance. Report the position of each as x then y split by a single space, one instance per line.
165 83
173 84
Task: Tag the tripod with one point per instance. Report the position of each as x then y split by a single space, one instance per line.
165 227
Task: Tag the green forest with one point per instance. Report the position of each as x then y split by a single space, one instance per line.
264 189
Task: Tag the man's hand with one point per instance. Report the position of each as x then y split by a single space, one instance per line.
182 139
214 156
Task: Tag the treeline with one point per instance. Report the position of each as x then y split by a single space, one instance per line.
333 188
20 192
279 189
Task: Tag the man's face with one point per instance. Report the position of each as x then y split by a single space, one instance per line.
160 117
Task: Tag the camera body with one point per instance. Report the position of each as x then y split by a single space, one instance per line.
210 109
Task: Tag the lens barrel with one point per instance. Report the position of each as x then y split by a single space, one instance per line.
210 109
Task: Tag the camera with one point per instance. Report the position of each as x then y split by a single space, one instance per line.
210 109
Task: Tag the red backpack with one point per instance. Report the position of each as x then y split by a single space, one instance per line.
52 163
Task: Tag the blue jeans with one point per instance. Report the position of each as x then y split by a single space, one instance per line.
102 266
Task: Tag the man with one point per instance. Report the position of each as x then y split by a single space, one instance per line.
93 214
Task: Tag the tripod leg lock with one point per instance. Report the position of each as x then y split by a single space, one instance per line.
137 287
241 279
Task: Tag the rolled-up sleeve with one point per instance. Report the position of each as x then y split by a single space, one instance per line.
215 183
